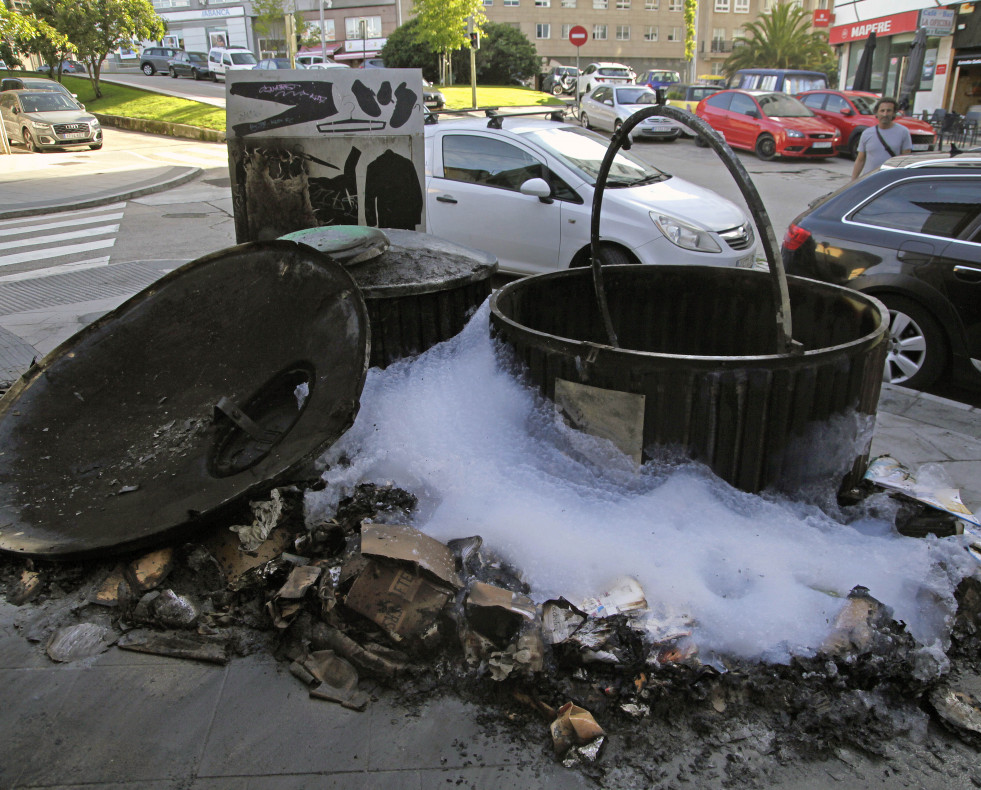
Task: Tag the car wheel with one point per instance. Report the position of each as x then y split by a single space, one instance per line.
148 69
556 89
173 73
197 75
853 145
766 147
584 121
30 142
614 256
917 352
700 141
214 77
95 146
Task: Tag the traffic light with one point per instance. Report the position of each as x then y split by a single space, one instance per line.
475 40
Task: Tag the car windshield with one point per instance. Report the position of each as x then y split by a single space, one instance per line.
49 101
636 96
778 105
243 58
583 151
864 104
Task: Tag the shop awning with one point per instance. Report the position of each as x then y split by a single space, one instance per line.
357 55
331 48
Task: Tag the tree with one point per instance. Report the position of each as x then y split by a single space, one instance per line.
98 27
782 39
405 49
19 31
444 25
51 52
505 57
269 23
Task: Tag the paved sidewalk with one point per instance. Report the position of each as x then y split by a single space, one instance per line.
126 720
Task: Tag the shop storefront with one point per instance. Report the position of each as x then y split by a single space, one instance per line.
198 31
894 34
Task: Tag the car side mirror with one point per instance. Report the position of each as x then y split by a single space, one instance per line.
847 111
753 114
537 187
14 110
608 101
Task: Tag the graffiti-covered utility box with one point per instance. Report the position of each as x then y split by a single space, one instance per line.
317 147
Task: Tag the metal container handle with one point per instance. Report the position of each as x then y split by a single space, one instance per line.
778 278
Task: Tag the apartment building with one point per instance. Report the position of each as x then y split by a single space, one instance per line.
639 33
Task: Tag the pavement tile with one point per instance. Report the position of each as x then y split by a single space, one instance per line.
149 727
260 704
445 733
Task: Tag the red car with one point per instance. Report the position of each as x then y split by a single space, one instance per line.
851 112
771 124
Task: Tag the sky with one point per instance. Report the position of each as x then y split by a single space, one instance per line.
762 577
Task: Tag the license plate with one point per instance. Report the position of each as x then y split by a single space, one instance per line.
661 127
820 145
75 135
921 146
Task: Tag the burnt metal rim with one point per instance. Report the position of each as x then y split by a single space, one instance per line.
558 341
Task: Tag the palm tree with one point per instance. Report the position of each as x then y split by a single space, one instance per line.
782 39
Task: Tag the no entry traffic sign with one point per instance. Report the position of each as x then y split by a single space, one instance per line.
578 35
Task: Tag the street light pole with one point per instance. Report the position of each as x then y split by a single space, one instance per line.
323 33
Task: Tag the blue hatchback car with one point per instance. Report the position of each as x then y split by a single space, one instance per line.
658 78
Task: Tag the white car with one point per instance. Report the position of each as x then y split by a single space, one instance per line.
609 106
521 188
596 74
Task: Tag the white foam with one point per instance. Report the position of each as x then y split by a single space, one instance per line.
763 576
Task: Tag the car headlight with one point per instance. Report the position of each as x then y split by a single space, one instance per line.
794 133
684 235
40 126
94 123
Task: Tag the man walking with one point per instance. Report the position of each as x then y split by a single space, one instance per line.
882 141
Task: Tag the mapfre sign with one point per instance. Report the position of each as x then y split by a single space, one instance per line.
883 26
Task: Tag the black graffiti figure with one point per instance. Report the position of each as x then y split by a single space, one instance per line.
392 194
335 200
309 101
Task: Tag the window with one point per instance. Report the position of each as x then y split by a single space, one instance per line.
565 32
568 3
623 5
768 5
650 33
742 104
488 2
372 27
675 34
932 206
722 6
492 163
652 5
599 32
720 101
601 4
675 5
542 30
835 103
741 6
510 3
543 3
623 32
815 101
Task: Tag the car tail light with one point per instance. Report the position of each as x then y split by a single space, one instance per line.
796 236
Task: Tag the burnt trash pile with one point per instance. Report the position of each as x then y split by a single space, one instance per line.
360 605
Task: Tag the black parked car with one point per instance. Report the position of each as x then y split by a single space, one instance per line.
910 235
189 64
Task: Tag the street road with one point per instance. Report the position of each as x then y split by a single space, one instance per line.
203 91
176 226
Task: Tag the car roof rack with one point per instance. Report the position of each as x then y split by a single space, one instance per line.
496 117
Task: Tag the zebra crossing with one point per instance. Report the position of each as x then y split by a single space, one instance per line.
58 243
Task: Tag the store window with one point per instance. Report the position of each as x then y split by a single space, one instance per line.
372 27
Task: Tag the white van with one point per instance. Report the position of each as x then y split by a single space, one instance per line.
222 59
308 59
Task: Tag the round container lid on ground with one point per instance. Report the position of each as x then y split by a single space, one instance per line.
211 385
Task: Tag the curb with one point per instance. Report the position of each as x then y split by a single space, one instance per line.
181 176
181 130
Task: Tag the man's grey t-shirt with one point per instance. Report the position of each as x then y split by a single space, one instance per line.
875 153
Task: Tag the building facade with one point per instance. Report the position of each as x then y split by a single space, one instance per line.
642 34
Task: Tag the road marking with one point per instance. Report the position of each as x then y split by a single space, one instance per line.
70 222
51 252
82 215
57 237
64 268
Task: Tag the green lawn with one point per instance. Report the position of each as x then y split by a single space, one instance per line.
136 103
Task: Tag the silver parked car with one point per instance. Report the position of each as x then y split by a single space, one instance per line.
609 106
47 119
